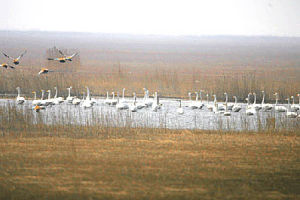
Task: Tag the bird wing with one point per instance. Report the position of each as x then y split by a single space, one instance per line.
7 55
73 55
61 52
12 67
21 55
53 58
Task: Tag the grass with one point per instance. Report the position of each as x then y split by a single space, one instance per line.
170 165
39 161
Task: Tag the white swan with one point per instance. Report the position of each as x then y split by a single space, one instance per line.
19 100
255 105
289 113
229 105
69 99
196 104
58 99
43 102
209 106
133 106
113 101
35 101
148 102
226 112
120 105
156 105
50 101
294 107
250 109
76 101
265 107
201 104
236 107
107 100
298 95
123 100
215 108
87 103
180 110
277 107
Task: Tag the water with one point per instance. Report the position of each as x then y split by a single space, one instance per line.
166 117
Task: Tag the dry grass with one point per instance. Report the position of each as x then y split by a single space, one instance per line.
173 82
173 165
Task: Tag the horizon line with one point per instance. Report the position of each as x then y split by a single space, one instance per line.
149 34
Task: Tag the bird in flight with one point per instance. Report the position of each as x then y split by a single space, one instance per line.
5 65
44 71
16 61
64 58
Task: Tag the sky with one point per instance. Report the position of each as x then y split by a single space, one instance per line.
159 17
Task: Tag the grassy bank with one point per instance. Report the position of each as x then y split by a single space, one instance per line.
170 165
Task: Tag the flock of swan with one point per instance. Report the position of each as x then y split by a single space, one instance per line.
134 105
16 61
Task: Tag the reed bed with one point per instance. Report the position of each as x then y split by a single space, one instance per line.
169 82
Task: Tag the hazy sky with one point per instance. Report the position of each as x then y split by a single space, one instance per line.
185 17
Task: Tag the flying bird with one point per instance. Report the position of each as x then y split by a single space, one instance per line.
5 65
64 58
16 61
44 71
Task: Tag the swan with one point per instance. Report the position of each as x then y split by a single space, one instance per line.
133 106
141 104
59 99
229 105
64 57
121 105
201 105
255 105
50 100
87 103
226 112
35 101
19 100
250 109
294 107
289 112
298 95
107 100
148 102
265 107
44 71
180 110
196 104
113 101
277 107
215 108
76 101
156 105
221 107
43 102
209 106
16 61
37 108
123 100
5 65
69 98
190 100
236 107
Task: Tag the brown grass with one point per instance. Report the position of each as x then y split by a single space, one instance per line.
172 165
173 82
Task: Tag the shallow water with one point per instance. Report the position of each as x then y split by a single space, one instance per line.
166 117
